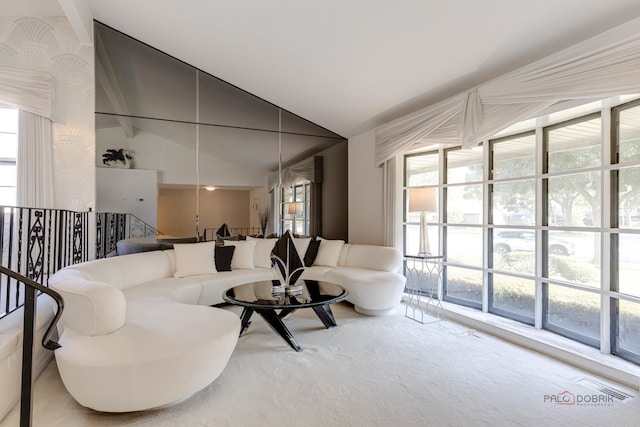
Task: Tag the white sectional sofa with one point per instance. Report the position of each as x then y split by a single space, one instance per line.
371 274
135 337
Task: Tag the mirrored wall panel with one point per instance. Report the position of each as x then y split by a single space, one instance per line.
190 130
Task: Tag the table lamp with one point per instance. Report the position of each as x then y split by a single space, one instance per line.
423 200
294 209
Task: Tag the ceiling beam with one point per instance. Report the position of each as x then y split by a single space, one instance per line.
81 19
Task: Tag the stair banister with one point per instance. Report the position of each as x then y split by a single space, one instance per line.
29 331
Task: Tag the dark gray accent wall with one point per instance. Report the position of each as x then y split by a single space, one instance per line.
335 193
168 114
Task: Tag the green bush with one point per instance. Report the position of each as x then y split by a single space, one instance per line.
568 268
521 262
572 269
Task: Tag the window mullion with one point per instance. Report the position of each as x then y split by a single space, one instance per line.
608 186
486 219
540 218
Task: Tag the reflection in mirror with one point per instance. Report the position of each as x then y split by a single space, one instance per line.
185 129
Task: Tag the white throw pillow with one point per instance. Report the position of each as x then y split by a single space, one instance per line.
194 258
301 244
243 256
328 252
262 255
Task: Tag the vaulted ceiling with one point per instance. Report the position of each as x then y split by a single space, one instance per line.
350 65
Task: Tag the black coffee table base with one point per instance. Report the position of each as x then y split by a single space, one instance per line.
277 325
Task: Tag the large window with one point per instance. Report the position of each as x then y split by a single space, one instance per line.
512 201
625 236
463 176
421 172
8 154
295 204
572 179
542 224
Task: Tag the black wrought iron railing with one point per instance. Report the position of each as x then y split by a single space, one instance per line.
36 243
112 227
31 289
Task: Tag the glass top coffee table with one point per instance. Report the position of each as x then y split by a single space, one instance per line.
266 297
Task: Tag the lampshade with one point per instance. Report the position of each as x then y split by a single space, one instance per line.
294 208
422 200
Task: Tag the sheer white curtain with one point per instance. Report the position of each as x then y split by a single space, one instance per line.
32 93
388 202
603 66
34 162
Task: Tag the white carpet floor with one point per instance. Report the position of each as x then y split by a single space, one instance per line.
369 371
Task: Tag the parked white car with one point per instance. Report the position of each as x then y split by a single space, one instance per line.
525 241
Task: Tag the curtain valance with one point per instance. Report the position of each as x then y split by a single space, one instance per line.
603 66
309 169
28 90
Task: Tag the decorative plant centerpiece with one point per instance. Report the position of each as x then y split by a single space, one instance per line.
289 266
263 217
119 158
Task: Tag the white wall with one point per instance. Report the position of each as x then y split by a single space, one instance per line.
365 191
50 44
173 154
177 210
133 191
